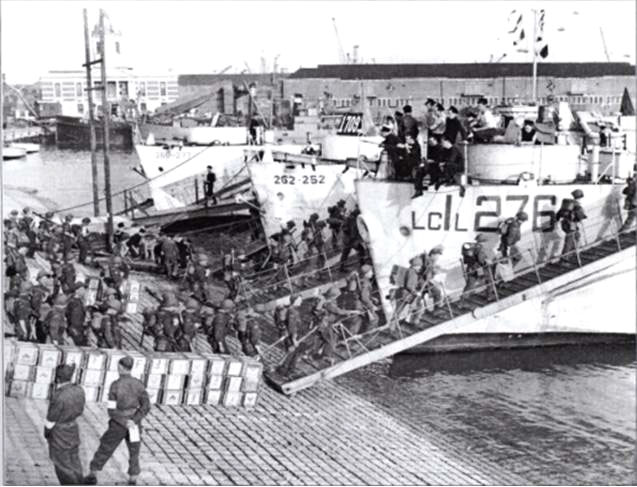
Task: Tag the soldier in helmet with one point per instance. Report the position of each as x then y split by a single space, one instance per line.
76 315
352 239
366 301
191 323
250 334
55 322
293 322
118 271
571 215
68 238
67 277
169 319
149 322
22 313
433 286
110 335
328 314
510 235
16 266
478 266
83 242
221 324
198 272
40 294
280 321
26 225
336 220
207 317
630 203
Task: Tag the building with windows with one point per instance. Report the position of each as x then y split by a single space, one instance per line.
127 90
388 87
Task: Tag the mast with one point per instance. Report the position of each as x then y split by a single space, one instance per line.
534 47
91 121
106 112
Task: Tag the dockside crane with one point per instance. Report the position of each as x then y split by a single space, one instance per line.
341 52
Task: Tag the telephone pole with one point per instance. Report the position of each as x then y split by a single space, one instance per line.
106 113
91 120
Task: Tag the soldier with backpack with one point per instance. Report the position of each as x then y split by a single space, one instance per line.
630 203
478 261
352 239
55 322
571 214
510 235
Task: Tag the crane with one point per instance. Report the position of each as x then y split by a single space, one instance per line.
604 44
225 69
341 53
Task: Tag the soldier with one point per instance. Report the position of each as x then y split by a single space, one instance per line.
207 317
366 301
412 289
169 322
478 261
27 225
83 242
352 239
68 238
198 272
170 254
22 314
571 215
61 430
327 316
67 277
293 322
76 315
191 322
252 334
118 271
336 220
630 203
128 404
510 235
17 269
40 294
221 323
432 286
55 321
110 335
149 323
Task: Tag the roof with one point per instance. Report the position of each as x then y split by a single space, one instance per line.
238 79
464 70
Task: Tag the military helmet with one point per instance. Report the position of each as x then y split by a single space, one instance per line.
49 214
340 203
481 238
522 216
68 217
438 249
366 268
86 220
577 193
333 292
227 304
60 300
26 210
314 216
192 304
415 261
14 213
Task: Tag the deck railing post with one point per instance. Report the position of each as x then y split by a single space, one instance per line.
492 279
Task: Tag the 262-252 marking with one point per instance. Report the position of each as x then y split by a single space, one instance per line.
310 179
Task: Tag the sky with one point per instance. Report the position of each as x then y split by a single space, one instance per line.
191 37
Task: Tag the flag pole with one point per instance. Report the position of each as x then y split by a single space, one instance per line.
534 47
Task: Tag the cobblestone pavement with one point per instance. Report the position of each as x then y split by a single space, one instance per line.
327 435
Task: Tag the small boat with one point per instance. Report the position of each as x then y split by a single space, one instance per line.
29 148
12 153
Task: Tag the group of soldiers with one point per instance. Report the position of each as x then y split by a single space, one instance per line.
337 233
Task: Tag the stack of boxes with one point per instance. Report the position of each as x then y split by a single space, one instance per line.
170 378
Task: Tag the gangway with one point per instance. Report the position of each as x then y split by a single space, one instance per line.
353 352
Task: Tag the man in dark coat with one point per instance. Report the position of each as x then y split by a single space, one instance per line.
571 215
128 404
76 315
209 185
61 429
510 235
352 239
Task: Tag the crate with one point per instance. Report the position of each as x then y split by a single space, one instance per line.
92 393
40 390
198 365
24 372
233 384
44 375
20 388
175 382
217 366
96 360
26 354
50 356
140 362
73 355
179 366
197 381
250 399
154 395
232 399
172 397
8 355
215 382
193 396
92 377
235 368
212 397
155 381
251 377
158 365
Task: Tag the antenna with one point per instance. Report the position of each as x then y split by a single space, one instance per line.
341 53
601 32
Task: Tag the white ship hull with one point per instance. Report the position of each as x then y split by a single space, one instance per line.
400 228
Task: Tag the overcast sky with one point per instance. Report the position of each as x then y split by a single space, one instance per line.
206 36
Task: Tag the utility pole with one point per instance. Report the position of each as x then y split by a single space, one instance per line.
534 47
91 120
106 113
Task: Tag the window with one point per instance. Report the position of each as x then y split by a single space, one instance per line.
114 109
80 108
142 88
143 106
58 90
162 88
111 89
123 89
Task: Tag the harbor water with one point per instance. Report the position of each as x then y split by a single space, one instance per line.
554 416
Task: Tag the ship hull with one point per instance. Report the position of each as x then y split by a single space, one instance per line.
73 133
602 303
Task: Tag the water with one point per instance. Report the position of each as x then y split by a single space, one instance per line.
64 176
554 416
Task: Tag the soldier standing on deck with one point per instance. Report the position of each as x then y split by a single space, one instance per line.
478 261
27 226
220 325
61 429
128 404
40 293
55 321
24 328
293 322
191 322
83 243
248 329
365 298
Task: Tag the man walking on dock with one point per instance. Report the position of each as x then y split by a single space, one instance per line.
61 430
128 404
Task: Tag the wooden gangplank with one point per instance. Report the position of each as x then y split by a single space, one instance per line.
167 217
380 343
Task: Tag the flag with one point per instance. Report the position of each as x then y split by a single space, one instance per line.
541 47
544 52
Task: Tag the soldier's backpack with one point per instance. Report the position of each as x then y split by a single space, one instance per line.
503 226
469 250
566 214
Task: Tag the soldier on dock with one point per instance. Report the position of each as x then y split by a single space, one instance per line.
76 315
40 294
169 322
352 239
61 430
26 225
22 314
67 237
221 324
191 323
249 330
128 404
55 322
111 335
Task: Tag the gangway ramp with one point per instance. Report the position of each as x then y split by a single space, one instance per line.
354 352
